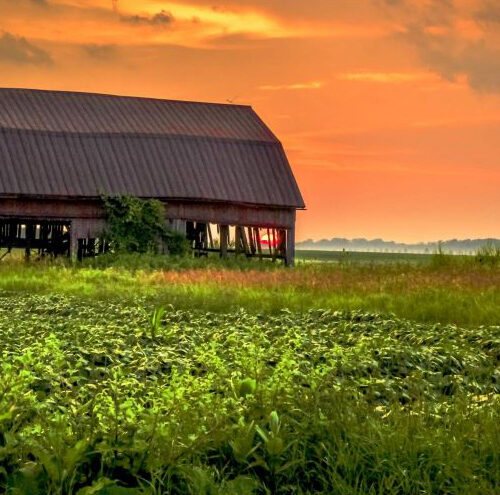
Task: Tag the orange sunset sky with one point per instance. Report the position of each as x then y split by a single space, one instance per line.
389 109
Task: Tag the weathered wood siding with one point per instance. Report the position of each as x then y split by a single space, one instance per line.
221 213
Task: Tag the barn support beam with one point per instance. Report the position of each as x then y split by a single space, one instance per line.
237 240
241 241
244 240
290 247
224 237
73 239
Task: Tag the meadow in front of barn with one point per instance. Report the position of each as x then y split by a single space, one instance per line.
147 375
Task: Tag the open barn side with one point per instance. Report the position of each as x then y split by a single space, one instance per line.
75 228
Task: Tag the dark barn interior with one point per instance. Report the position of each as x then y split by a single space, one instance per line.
222 174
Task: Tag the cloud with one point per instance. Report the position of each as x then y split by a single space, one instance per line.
489 13
188 23
451 41
385 77
236 40
162 18
101 52
482 66
19 50
451 57
207 22
295 86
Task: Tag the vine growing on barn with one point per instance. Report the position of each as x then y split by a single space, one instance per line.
137 225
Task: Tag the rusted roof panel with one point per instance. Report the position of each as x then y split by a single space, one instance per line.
63 144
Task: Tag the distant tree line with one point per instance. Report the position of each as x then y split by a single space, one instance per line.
456 246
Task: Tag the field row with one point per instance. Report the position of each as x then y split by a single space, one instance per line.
100 392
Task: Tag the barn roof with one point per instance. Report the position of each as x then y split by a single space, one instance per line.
67 145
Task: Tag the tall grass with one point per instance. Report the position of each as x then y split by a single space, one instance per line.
458 292
488 255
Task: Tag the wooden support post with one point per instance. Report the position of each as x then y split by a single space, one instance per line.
91 247
30 236
290 247
6 253
251 239
73 245
243 237
282 243
224 234
237 240
82 243
74 234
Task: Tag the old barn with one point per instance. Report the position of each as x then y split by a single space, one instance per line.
222 174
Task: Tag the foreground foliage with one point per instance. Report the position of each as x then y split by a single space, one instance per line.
101 397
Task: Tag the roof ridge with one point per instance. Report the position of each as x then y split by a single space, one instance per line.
132 97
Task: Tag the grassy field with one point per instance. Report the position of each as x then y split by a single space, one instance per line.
449 290
349 377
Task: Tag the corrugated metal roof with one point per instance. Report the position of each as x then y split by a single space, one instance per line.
63 144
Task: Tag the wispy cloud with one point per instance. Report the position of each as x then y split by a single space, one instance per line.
452 42
489 13
210 20
470 122
160 19
294 86
19 50
100 52
386 77
150 22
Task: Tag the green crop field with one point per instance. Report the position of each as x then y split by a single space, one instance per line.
148 375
